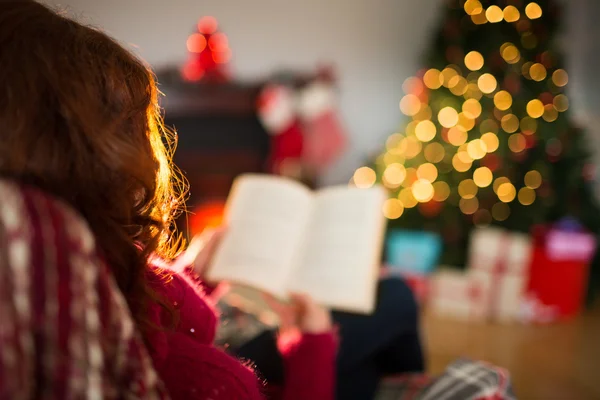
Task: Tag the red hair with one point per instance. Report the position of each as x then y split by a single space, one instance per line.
79 118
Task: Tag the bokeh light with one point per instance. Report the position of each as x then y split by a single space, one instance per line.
538 72
506 192
410 105
503 100
511 14
517 143
476 149
434 152
407 198
207 25
483 177
482 218
526 196
394 175
471 108
473 92
460 165
473 7
528 125
479 19
533 10
535 108
533 179
458 85
448 117
441 191
413 85
561 102
364 177
413 147
528 40
474 60
423 114
196 43
393 208
457 136
488 125
499 181
494 14
510 53
491 141
465 122
550 113
560 77
500 211
427 172
432 79
425 131
510 123
468 206
487 83
525 69
422 190
467 189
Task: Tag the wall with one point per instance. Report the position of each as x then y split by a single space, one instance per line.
375 44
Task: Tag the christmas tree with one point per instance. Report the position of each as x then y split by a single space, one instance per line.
209 53
488 137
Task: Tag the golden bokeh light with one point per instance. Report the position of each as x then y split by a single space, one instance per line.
511 14
491 141
550 113
463 154
468 206
407 198
561 102
483 177
535 108
465 122
434 152
413 147
411 177
525 69
500 211
448 74
506 192
487 83
422 190
460 165
494 14
413 85
499 181
432 79
448 117
473 7
425 131
477 149
458 85
479 19
467 189
510 123
560 77
488 125
510 53
457 136
393 208
471 108
526 196
528 125
503 100
391 158
441 191
394 175
474 60
393 141
410 105
517 143
427 172
423 114
364 177
473 91
533 10
533 179
538 72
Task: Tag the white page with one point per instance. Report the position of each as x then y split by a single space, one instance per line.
266 218
338 265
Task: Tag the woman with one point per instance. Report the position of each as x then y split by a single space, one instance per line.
79 119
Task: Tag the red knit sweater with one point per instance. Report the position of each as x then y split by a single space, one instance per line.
192 368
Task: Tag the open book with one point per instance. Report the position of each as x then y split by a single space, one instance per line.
283 238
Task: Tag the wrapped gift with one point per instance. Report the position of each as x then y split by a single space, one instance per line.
453 294
413 251
499 268
559 272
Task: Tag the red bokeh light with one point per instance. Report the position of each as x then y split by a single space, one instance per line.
196 43
218 42
207 25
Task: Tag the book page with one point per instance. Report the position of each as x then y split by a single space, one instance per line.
339 264
266 218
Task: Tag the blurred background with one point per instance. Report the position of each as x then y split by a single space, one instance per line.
480 117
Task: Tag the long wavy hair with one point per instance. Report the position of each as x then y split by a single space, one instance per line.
79 118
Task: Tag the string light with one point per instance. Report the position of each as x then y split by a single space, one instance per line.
441 191
457 136
410 105
550 113
474 60
511 14
487 83
394 175
533 11
535 108
406 197
526 196
425 131
468 206
471 108
561 102
467 189
528 125
476 149
510 123
538 72
434 152
393 208
483 177
448 117
427 172
433 79
533 179
422 190
500 212
506 192
364 177
491 141
560 77
494 14
503 100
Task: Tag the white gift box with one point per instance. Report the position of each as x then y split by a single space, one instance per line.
452 294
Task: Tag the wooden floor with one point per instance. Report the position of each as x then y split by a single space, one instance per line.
557 362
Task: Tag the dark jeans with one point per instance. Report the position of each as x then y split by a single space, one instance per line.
371 347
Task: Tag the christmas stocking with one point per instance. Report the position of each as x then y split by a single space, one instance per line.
277 113
325 137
